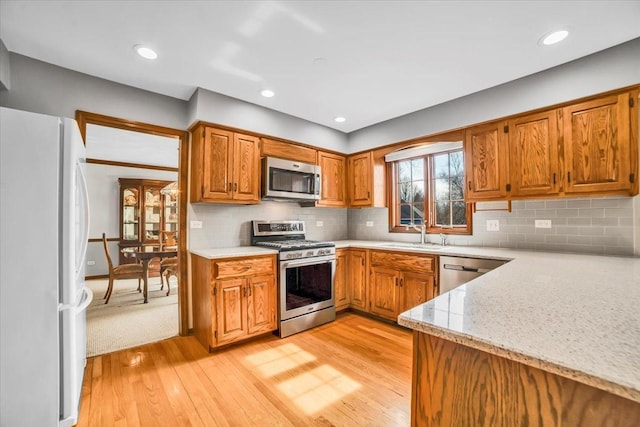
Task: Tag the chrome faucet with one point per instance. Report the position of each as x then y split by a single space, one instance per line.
444 239
423 231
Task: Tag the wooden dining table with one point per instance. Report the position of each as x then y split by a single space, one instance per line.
145 254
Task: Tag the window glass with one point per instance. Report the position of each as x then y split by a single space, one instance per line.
431 188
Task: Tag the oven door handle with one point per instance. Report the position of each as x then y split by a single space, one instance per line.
307 261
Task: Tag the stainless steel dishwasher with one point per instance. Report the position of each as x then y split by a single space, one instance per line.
454 271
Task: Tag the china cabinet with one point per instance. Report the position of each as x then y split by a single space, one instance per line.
145 213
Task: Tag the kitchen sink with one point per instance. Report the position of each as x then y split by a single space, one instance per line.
425 246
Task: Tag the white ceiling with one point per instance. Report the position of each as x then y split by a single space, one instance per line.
368 61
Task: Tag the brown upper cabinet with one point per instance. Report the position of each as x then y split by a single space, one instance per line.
585 148
287 150
225 166
333 189
534 158
360 180
598 146
486 161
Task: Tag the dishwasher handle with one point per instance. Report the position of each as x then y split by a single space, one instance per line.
465 268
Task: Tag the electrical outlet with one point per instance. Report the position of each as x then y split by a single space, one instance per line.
493 225
91 263
543 223
369 223
319 223
196 224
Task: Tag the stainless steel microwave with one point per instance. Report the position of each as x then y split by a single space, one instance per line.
287 179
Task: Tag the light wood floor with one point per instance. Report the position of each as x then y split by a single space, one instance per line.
354 371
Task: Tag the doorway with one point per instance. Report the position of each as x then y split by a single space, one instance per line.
117 150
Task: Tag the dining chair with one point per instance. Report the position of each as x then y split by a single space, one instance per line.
168 268
124 271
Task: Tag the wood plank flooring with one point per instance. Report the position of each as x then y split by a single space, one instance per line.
354 371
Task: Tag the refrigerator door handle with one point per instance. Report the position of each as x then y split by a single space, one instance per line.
78 308
85 203
88 298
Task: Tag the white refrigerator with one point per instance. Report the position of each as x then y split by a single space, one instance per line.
43 241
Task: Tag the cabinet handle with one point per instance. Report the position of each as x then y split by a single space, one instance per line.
554 178
230 186
235 186
362 259
568 176
244 291
249 289
401 282
396 282
469 185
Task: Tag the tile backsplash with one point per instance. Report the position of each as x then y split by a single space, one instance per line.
230 225
597 226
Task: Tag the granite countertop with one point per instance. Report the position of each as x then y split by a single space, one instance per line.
238 251
577 316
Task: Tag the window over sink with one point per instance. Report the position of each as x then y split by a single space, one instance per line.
427 186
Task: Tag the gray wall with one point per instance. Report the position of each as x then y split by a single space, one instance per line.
44 88
220 109
606 70
596 226
228 226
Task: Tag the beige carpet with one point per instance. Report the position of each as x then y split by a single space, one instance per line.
126 321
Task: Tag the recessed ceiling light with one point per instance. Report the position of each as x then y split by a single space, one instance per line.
554 37
267 93
145 52
339 119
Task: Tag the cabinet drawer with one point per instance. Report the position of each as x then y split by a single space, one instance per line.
244 267
404 262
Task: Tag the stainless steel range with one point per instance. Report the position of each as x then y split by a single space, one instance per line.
307 268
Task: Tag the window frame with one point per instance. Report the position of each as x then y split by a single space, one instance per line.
429 199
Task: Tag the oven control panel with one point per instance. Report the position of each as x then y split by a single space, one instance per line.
306 253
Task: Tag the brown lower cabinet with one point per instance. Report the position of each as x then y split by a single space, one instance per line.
455 385
358 278
399 281
340 279
350 280
383 283
233 298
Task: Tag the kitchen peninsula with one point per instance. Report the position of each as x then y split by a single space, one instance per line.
542 340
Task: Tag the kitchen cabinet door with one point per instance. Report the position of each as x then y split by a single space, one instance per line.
217 168
225 166
246 168
597 145
360 173
333 187
415 288
486 161
261 310
384 292
231 307
533 142
357 279
340 279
